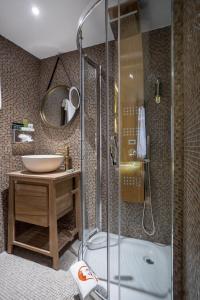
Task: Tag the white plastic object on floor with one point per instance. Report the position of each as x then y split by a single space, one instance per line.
86 280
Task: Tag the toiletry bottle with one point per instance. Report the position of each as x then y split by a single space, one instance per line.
68 160
25 122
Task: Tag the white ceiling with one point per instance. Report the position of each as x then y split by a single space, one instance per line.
50 33
54 30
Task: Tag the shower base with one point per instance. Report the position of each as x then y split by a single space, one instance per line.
145 267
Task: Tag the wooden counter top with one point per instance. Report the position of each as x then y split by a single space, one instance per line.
49 176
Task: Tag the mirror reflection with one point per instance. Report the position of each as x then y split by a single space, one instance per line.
60 105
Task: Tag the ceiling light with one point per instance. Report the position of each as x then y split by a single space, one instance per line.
35 11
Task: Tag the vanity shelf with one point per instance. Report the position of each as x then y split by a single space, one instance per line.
37 238
42 201
26 135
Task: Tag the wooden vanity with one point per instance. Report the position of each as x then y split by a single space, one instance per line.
41 200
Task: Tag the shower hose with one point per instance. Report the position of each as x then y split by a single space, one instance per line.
147 201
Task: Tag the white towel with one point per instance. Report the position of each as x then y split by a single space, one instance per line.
141 137
69 109
25 138
84 277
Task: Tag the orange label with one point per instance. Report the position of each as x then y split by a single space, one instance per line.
85 274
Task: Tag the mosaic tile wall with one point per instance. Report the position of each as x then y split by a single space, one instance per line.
51 140
191 205
19 73
186 150
178 112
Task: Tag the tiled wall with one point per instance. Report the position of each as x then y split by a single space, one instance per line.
19 73
157 65
51 139
178 119
186 150
24 80
191 204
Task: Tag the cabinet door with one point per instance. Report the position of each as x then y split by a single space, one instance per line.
31 204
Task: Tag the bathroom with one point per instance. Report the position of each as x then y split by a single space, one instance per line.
99 181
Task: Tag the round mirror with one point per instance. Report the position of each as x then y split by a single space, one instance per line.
60 106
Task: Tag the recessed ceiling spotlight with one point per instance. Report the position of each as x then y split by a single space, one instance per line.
131 76
35 11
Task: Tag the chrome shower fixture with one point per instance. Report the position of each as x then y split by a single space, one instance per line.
158 91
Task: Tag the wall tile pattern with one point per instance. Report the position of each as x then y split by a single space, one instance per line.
19 73
191 205
178 137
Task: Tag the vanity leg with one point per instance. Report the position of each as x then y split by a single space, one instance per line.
11 216
53 231
78 208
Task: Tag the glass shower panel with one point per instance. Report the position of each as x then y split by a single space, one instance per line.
144 112
94 240
90 149
132 145
113 140
126 147
94 146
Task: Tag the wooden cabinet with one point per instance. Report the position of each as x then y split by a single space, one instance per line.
42 199
31 203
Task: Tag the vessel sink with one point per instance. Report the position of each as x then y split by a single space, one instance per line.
42 163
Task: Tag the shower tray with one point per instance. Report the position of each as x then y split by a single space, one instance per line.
144 267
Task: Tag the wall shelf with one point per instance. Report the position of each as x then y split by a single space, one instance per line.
20 136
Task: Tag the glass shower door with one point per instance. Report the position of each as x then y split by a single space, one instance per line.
89 149
94 148
126 147
139 114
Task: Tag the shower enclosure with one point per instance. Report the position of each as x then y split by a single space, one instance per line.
126 161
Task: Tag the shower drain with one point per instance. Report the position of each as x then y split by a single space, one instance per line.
124 278
148 260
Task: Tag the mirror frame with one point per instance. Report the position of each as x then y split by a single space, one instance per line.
42 113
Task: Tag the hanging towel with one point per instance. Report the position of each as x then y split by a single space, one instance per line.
141 135
69 110
84 277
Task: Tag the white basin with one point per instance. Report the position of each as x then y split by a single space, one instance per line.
42 163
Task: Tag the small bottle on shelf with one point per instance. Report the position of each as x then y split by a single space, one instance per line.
68 160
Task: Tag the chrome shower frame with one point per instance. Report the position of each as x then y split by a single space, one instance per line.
84 58
98 75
